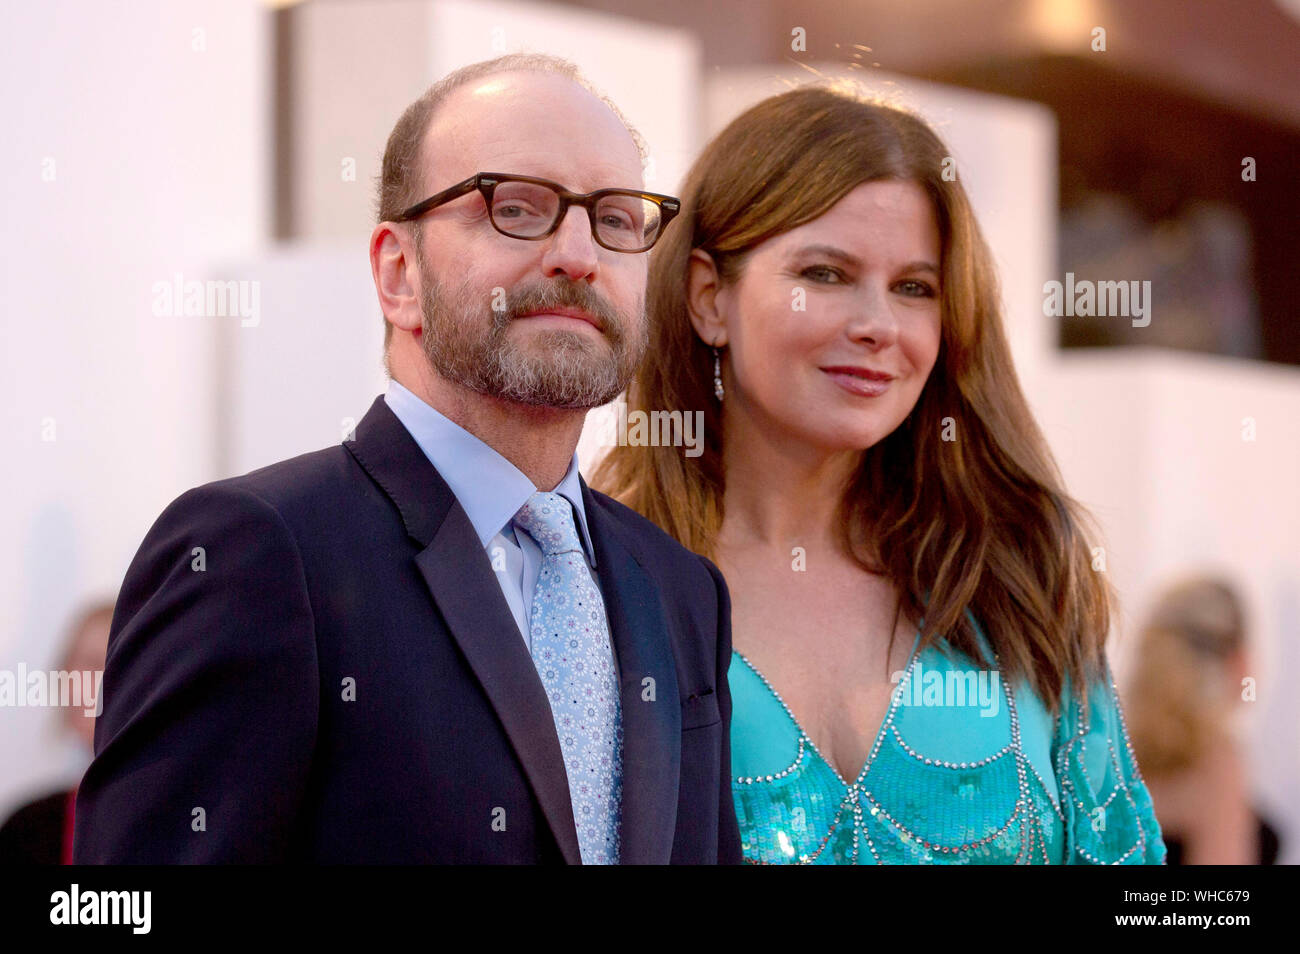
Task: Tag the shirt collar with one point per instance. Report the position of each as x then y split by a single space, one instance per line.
489 487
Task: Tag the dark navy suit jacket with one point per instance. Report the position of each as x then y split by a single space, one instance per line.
315 662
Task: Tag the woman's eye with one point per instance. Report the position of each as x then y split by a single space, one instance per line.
916 289
824 274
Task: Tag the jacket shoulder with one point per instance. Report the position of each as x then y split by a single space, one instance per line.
289 487
650 537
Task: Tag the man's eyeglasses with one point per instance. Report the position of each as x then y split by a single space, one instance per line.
622 220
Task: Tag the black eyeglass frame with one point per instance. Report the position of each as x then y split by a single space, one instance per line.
486 183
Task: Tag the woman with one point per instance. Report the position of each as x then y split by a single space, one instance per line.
883 506
1186 697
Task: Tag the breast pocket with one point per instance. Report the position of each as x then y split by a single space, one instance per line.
700 709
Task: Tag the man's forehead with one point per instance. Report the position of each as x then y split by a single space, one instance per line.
530 124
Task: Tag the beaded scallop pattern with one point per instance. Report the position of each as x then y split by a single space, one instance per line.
1126 815
907 808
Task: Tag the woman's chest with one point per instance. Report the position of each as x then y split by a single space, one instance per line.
956 775
832 662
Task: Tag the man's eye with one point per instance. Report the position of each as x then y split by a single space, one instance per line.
823 274
614 220
514 210
916 289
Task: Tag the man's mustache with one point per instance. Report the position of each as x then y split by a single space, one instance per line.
563 294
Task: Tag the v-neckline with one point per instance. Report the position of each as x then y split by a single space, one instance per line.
875 742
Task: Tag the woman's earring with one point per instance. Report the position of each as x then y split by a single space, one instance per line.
717 374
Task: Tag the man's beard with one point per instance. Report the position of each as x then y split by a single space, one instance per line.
468 341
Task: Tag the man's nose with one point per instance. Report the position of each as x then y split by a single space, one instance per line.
571 249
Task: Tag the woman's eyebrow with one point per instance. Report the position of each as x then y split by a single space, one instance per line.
829 251
922 267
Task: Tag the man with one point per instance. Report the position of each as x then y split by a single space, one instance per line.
434 643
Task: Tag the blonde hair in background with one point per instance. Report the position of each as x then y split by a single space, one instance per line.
1179 699
93 612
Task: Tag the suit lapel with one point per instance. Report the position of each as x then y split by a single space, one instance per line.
460 578
651 711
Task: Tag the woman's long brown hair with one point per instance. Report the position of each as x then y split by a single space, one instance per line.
962 506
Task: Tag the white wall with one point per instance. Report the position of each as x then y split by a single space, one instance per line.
155 117
307 371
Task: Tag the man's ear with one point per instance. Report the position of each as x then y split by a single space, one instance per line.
392 265
703 288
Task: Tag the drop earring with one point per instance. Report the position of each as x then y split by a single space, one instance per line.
717 374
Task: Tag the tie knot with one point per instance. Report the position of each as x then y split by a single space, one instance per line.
548 518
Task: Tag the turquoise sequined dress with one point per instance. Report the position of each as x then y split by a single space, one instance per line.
964 769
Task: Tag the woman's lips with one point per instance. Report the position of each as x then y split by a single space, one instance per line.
855 384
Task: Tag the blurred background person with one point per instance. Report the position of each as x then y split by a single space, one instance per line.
1184 703
40 832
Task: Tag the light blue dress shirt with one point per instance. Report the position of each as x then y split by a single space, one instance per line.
491 490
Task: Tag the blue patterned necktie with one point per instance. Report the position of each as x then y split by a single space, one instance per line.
571 649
